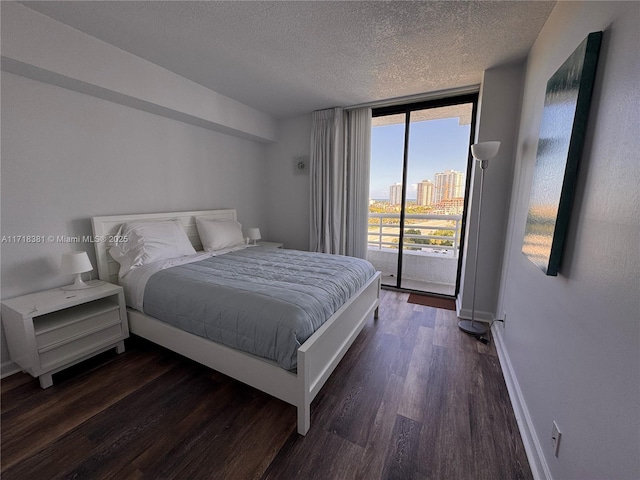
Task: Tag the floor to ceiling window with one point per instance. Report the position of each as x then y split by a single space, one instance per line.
420 170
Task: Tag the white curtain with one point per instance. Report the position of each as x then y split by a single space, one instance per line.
357 159
339 170
327 175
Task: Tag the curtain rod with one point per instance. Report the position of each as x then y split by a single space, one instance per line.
418 97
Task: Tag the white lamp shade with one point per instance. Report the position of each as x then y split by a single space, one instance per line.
76 262
485 150
254 234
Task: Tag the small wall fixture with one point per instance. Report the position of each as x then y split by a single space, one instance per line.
300 165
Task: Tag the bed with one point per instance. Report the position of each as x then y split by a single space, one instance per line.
296 381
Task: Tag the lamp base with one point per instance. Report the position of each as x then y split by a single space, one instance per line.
472 328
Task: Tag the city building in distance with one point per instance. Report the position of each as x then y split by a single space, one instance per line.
425 193
444 195
395 194
448 185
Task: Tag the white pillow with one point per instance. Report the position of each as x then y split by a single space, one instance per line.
219 234
148 242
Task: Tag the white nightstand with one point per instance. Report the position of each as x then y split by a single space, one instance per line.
270 245
52 330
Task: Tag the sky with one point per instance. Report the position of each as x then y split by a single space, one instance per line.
434 146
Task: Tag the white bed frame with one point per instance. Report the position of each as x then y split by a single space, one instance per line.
317 357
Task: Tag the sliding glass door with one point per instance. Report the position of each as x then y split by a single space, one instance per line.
386 194
420 167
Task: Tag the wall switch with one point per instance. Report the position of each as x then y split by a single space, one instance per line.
555 438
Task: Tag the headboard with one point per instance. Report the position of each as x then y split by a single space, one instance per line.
103 227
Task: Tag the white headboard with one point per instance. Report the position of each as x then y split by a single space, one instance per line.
103 227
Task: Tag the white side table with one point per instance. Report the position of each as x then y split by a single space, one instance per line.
270 244
51 330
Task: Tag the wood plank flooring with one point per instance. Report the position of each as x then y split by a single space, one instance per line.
414 398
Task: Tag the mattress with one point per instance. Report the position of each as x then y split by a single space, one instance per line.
266 302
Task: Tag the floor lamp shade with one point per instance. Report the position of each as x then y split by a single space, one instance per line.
485 150
76 263
482 152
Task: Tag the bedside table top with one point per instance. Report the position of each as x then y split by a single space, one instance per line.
48 301
270 244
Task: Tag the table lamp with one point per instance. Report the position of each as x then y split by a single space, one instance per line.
76 263
254 234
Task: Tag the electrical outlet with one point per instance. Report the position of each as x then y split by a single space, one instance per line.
555 438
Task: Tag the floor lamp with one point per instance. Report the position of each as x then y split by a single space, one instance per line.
482 152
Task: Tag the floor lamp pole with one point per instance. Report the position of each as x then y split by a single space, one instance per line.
470 326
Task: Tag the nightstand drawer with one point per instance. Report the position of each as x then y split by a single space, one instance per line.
64 325
61 353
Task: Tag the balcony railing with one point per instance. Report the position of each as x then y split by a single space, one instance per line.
384 233
430 264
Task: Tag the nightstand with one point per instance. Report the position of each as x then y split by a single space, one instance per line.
270 245
51 330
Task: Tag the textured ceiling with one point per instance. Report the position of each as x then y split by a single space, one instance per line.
290 58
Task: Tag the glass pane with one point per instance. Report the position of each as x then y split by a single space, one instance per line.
436 179
385 194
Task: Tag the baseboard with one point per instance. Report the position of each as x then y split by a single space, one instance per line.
8 368
533 449
465 313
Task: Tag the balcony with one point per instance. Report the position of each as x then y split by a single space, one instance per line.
431 246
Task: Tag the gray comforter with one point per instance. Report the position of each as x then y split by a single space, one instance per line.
263 301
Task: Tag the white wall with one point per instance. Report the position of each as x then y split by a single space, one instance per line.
288 190
89 129
67 157
39 47
572 342
498 114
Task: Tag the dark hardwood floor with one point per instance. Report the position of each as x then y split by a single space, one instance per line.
414 398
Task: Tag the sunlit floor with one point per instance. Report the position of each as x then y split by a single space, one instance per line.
422 286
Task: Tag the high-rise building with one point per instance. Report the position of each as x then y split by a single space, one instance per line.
395 194
448 184
425 193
